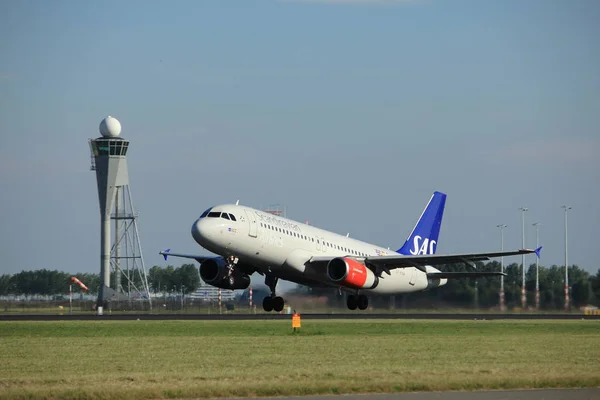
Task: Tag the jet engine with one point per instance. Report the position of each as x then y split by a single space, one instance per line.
351 273
214 271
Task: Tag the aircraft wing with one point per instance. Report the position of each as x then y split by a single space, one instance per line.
166 253
451 275
386 263
400 261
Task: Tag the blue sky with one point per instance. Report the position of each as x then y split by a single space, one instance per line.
349 113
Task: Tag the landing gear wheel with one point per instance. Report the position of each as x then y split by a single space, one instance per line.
363 302
277 303
351 302
268 304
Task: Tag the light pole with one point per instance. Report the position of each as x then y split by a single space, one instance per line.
182 296
523 292
567 208
502 303
537 266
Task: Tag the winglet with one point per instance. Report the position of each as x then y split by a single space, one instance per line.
537 251
165 253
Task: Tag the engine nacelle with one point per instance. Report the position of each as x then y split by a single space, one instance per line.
214 272
351 273
434 282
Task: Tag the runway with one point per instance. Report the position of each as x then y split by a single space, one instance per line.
265 316
537 394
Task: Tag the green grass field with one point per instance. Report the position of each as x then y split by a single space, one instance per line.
192 359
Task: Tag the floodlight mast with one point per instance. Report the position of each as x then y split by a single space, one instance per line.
537 265
502 301
567 208
523 291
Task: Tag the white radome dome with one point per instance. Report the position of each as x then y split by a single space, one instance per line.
110 127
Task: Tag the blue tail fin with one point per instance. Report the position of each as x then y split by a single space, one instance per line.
424 237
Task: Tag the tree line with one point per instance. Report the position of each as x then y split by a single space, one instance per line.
56 283
484 292
480 292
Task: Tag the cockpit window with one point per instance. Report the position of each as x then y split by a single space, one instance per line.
205 213
232 217
214 214
224 215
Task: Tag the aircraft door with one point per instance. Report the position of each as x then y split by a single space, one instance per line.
253 228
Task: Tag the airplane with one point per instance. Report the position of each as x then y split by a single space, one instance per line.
247 240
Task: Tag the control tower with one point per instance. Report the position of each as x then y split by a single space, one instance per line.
120 258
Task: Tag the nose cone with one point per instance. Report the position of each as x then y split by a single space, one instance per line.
200 232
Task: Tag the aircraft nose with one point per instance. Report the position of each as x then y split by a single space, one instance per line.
199 232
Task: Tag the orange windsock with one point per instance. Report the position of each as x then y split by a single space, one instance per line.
77 281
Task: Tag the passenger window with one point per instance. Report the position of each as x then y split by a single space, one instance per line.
224 215
232 217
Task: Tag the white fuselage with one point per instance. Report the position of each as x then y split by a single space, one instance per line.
282 247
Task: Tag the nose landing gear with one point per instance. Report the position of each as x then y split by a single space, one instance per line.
272 302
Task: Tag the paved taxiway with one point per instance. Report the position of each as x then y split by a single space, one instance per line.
537 394
265 316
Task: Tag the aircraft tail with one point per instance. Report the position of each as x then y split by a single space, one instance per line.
424 237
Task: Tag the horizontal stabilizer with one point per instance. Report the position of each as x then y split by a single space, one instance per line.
452 275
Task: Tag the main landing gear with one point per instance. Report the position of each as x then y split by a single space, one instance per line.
361 301
231 263
272 302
